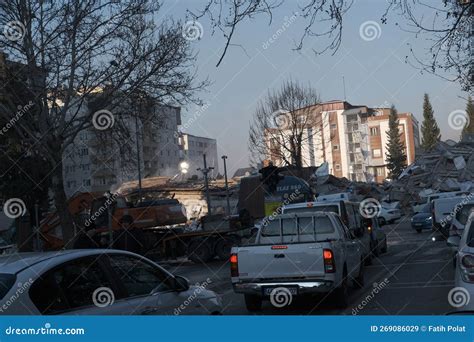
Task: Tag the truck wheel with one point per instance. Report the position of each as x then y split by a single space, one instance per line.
199 252
341 294
223 247
253 302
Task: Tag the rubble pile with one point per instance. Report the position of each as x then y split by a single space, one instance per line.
448 167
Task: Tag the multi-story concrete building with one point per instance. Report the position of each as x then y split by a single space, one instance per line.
96 161
194 148
351 139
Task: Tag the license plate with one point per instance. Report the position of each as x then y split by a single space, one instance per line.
293 290
417 224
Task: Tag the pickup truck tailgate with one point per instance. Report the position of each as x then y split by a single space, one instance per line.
300 260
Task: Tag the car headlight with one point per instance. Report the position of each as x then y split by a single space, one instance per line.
428 218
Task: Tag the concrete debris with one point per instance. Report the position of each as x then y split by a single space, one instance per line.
448 167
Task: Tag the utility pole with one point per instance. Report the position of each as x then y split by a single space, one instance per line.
226 185
205 172
138 156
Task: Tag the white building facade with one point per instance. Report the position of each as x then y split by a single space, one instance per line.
193 149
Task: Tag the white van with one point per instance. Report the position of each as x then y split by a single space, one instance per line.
444 210
438 195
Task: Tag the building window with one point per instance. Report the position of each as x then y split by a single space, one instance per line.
374 131
333 126
335 147
376 153
338 167
380 172
86 182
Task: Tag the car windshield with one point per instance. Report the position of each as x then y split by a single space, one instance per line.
299 225
463 214
6 283
470 236
425 209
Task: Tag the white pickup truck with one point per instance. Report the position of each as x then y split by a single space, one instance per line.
303 253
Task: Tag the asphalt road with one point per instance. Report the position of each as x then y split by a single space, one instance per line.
412 278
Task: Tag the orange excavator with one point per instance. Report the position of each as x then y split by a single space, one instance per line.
103 212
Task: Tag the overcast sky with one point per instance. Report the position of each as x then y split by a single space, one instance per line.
375 72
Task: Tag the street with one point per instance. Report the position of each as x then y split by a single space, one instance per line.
412 278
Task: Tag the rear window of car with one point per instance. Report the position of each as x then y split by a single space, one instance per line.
6 283
300 225
324 208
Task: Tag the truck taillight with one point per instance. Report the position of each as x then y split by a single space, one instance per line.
234 265
329 264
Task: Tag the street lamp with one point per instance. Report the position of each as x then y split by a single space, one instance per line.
224 158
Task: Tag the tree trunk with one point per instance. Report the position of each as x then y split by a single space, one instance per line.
60 201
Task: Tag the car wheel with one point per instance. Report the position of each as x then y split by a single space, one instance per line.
341 294
359 280
384 247
382 221
368 259
418 230
199 252
375 249
253 302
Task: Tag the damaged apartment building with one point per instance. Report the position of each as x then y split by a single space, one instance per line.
352 139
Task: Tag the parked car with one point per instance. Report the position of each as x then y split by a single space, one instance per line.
378 237
96 282
422 220
459 220
443 210
389 215
464 262
348 212
304 253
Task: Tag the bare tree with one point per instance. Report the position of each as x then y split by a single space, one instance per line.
283 122
447 26
72 55
323 18
449 29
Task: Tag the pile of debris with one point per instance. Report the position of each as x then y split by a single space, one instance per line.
448 167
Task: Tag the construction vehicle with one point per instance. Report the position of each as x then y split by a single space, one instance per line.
163 228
